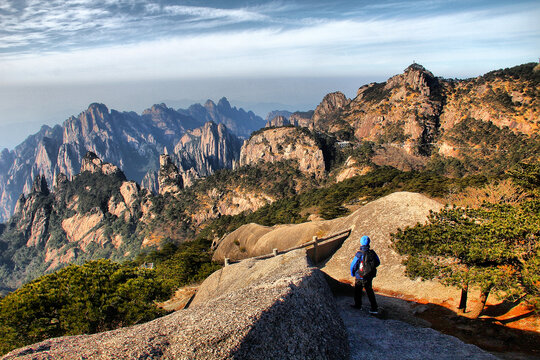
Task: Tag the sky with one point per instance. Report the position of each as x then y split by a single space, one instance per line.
58 56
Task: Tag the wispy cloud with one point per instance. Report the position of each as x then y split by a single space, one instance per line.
325 47
54 24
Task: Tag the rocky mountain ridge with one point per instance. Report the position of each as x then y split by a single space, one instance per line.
133 142
239 121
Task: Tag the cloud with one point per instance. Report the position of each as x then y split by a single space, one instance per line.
84 23
312 47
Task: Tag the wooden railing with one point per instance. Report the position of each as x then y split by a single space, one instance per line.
316 242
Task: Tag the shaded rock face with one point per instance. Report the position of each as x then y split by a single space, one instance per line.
207 149
79 220
238 121
279 308
286 143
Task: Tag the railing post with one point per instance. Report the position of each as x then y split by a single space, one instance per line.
227 262
275 251
315 245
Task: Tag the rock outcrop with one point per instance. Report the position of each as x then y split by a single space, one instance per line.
205 150
272 114
302 119
278 121
169 178
286 143
403 111
244 311
327 112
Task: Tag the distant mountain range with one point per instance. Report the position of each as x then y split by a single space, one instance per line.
131 141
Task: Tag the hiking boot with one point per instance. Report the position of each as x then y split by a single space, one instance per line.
374 312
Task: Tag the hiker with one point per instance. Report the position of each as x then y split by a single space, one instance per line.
364 269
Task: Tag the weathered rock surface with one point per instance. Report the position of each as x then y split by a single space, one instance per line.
279 308
373 338
404 110
286 143
324 116
253 239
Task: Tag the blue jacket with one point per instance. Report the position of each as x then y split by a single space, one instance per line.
358 257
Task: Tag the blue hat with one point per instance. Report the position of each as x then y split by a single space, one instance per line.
365 240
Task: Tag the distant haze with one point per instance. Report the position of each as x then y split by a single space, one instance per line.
58 56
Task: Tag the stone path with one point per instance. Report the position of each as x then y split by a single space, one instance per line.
374 338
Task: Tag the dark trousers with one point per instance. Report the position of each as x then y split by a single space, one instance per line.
360 284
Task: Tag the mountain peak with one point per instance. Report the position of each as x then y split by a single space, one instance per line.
98 107
224 103
417 68
209 104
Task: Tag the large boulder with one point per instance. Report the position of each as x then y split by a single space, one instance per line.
254 240
378 219
280 308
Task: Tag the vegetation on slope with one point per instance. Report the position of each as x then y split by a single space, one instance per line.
494 247
330 202
99 295
485 148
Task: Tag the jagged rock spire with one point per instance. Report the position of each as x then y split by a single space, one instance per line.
40 185
169 178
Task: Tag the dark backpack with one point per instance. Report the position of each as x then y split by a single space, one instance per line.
367 266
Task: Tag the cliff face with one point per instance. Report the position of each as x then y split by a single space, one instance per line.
278 121
415 110
285 143
208 149
403 111
328 111
91 216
